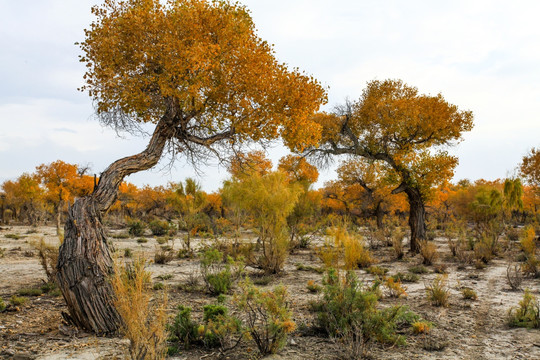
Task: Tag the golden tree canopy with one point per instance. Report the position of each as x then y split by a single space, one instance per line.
205 59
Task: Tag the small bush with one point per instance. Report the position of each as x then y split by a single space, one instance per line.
428 250
349 309
485 250
512 234
268 318
394 288
220 329
18 300
397 243
438 292
48 257
419 269
527 314
220 276
143 322
469 294
183 329
528 241
377 270
142 241
302 267
514 276
136 227
355 254
163 256
128 253
313 287
158 286
2 305
421 327
158 228
30 292
410 278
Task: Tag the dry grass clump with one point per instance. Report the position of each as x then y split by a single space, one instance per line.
144 321
514 276
428 250
48 258
438 292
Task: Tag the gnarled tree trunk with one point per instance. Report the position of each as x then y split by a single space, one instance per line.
417 218
84 262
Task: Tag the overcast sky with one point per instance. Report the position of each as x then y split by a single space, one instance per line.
483 56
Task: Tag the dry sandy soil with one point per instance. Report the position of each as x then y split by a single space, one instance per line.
466 329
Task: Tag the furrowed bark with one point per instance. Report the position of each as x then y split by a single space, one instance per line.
84 262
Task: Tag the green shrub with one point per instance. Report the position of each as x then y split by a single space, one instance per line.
163 256
183 329
268 318
128 253
136 227
30 292
2 305
410 278
142 241
420 269
158 286
527 314
16 300
220 276
376 270
158 228
348 309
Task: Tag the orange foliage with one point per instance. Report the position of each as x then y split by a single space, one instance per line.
298 169
205 59
253 162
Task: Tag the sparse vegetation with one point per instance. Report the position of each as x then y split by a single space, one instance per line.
438 292
527 314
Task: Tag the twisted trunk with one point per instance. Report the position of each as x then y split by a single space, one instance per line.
417 218
84 262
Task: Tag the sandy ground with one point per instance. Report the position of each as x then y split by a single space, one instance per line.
466 329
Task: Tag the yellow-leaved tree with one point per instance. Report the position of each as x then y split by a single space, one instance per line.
196 70
392 123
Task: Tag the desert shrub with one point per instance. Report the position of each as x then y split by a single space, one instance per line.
469 294
514 276
269 199
18 300
313 287
484 250
397 243
144 322
161 240
394 288
527 314
30 292
528 241
512 233
302 267
163 256
345 246
136 227
165 277
267 316
183 329
376 270
349 309
421 327
410 278
420 269
438 292
428 250
48 258
440 268
158 227
2 305
158 286
218 275
142 241
220 329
